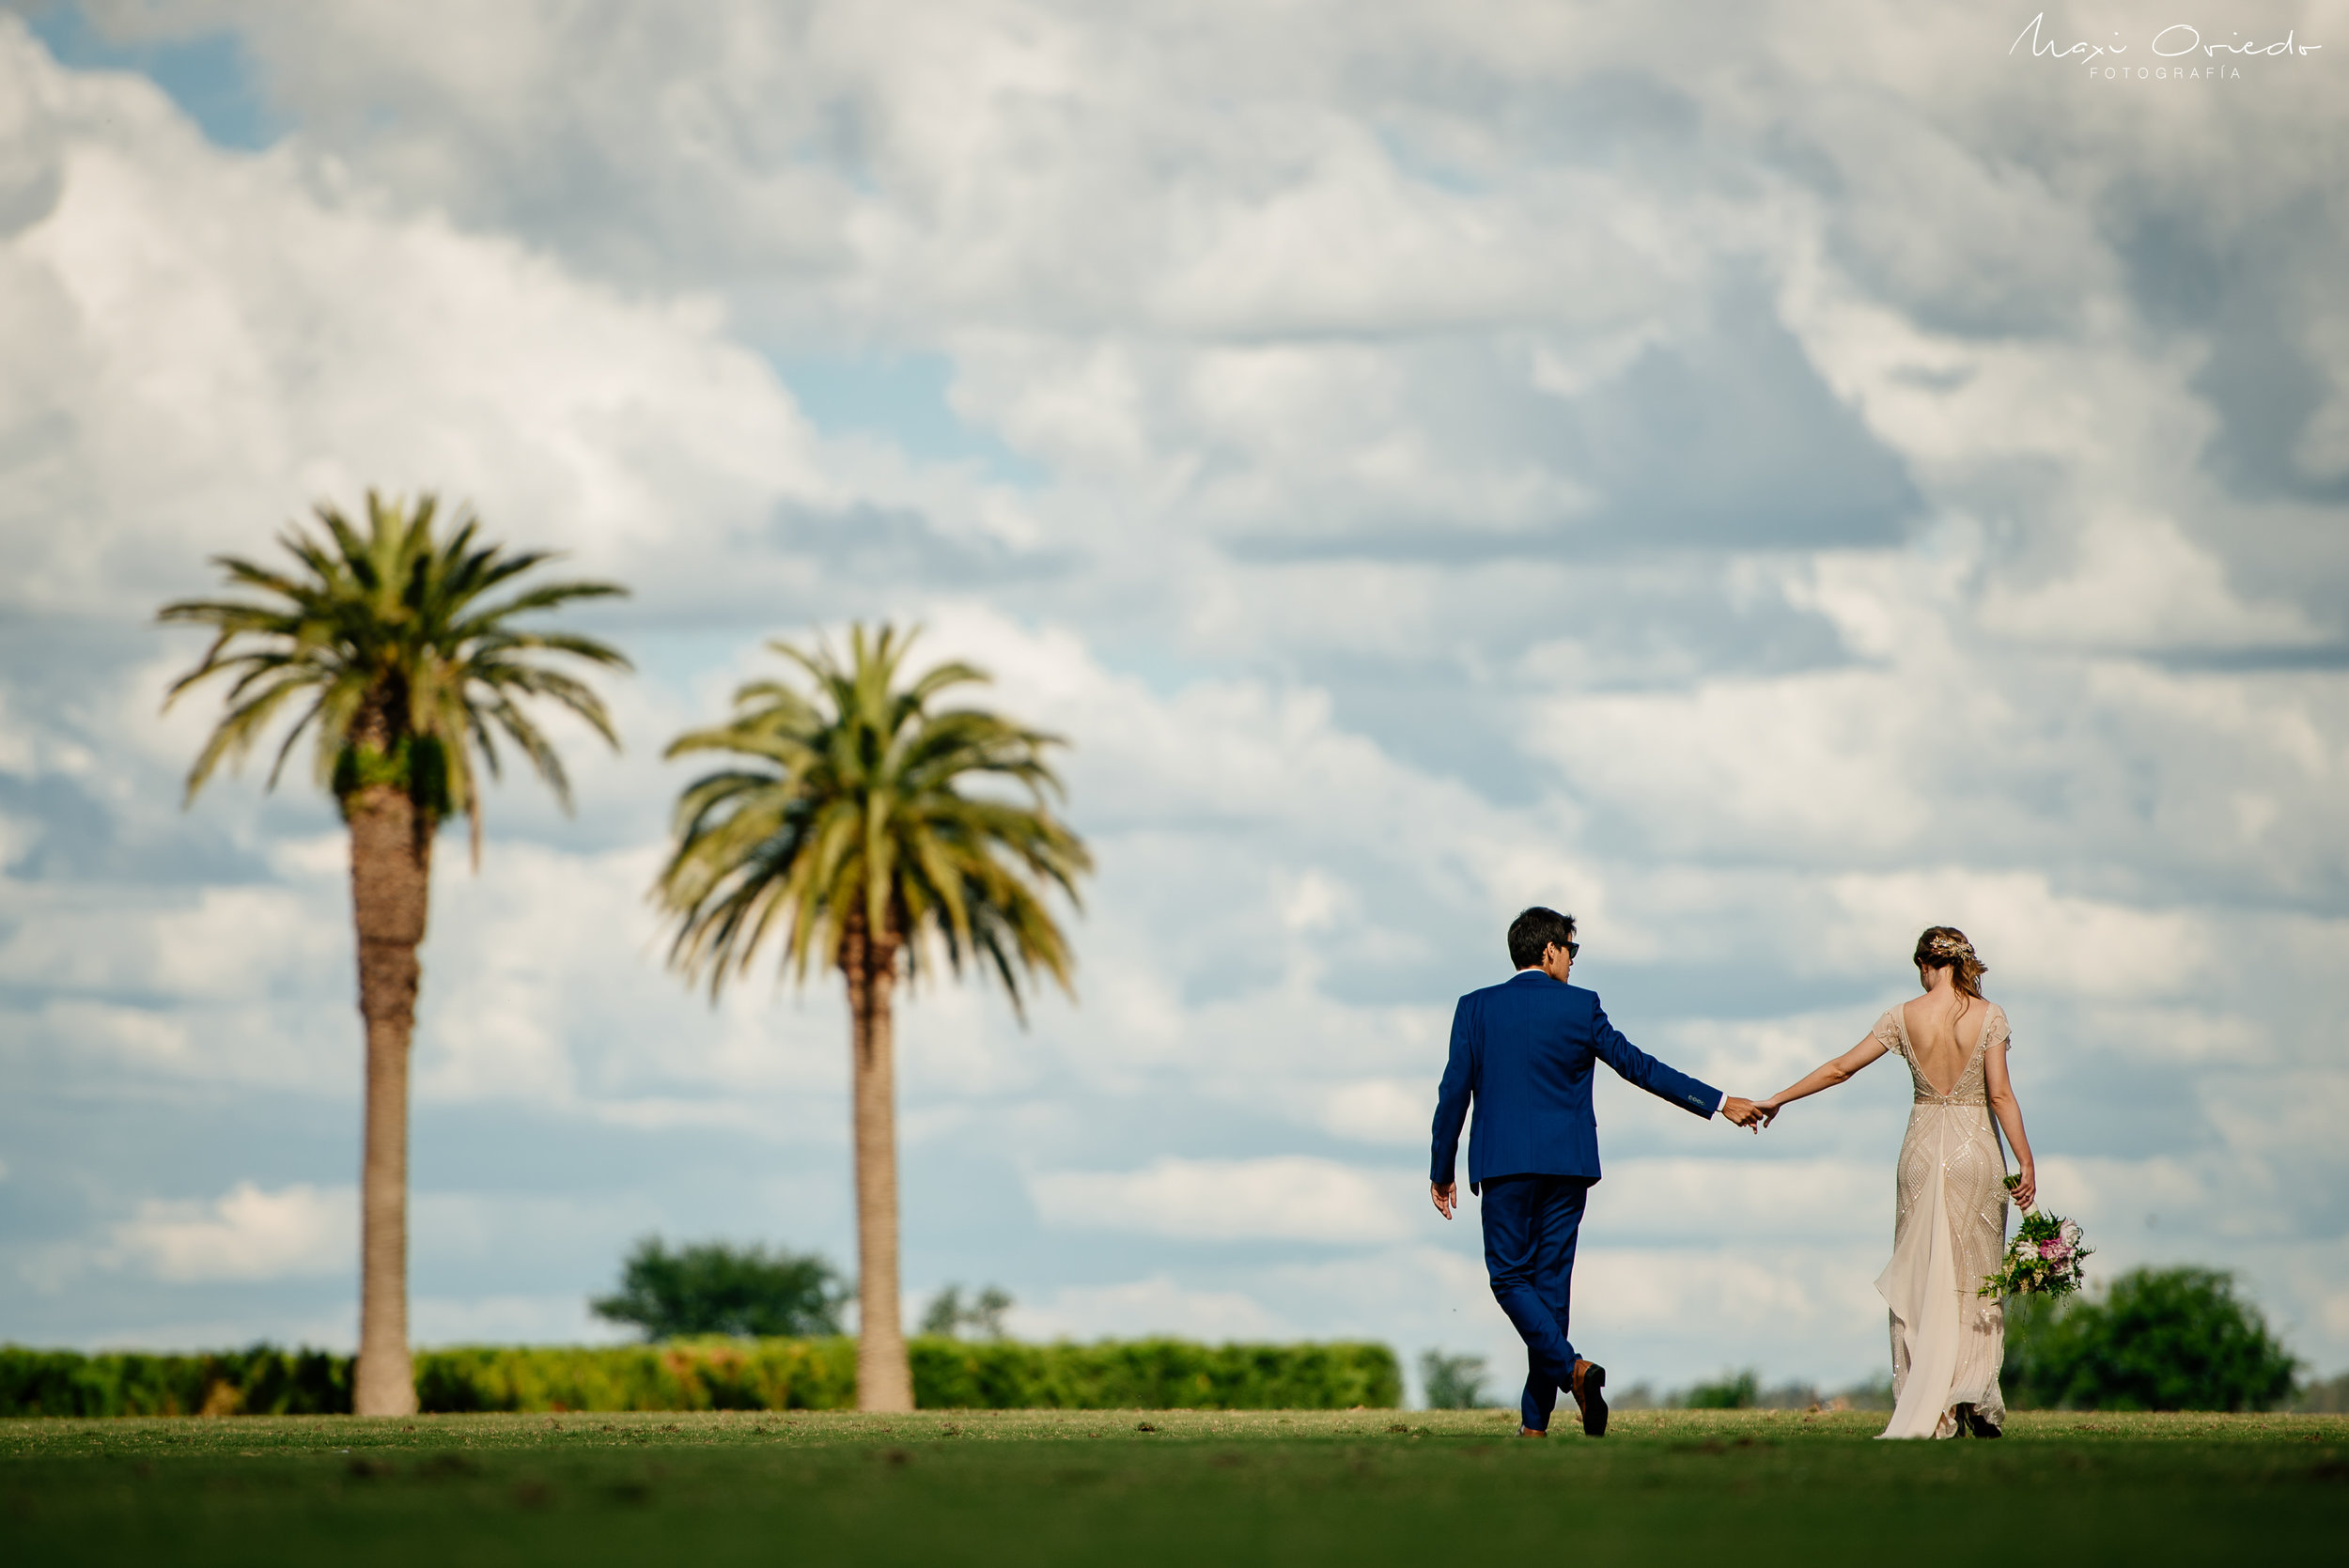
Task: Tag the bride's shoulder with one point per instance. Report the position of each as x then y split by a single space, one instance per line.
1888 1029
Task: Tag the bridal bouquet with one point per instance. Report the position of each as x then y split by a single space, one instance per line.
2044 1259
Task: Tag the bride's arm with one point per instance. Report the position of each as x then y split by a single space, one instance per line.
2009 1111
1826 1074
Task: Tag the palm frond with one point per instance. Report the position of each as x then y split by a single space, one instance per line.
388 621
843 807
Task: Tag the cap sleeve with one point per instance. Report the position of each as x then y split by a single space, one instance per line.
1999 1035
1889 1035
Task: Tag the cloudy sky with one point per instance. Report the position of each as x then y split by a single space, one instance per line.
1764 477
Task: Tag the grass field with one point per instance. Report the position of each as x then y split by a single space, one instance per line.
1186 1487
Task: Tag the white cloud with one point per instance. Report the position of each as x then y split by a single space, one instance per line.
223 944
2142 582
2040 937
1658 1202
509 1319
147 1037
203 321
1381 1111
1157 1305
247 1234
1746 1304
1283 1198
2322 452
331 1329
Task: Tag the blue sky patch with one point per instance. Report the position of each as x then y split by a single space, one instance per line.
208 76
901 397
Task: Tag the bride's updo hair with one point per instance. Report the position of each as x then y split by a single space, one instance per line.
1945 947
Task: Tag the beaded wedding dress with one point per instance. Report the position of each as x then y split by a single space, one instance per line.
1950 1231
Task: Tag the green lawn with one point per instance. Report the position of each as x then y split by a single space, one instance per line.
1164 1486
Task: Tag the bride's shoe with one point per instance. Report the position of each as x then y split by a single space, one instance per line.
1972 1422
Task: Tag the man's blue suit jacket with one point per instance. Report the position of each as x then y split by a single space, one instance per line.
1523 1050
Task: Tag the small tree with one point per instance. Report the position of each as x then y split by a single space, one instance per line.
2171 1339
947 1315
1451 1382
711 1288
2329 1397
1731 1391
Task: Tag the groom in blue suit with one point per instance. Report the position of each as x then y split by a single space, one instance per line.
1523 1052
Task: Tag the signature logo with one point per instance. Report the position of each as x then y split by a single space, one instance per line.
2178 50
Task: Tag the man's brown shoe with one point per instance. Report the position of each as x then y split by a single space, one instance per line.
1590 1392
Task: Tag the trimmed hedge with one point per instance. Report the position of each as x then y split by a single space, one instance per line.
716 1374
256 1382
682 1374
1152 1375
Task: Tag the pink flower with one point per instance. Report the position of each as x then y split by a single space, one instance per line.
2054 1249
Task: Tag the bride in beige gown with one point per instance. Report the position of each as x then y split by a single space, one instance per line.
1949 1225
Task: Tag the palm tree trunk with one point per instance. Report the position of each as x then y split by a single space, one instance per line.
884 1381
391 869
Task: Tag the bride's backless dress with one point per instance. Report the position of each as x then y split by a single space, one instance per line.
1951 1230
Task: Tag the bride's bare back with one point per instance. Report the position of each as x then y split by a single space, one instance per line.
1943 1036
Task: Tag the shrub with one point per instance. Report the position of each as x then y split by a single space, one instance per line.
1732 1392
261 1381
948 1315
711 1288
1451 1382
715 1374
1152 1375
2327 1398
2174 1339
1874 1394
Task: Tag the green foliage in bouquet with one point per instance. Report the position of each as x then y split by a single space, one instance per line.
2045 1258
2167 1339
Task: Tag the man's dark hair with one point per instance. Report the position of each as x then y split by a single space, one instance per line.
1535 929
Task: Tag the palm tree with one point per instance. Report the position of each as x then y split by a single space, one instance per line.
841 824
409 671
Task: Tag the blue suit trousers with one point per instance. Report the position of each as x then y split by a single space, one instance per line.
1530 1226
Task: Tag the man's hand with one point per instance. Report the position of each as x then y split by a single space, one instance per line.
1446 1196
1744 1113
